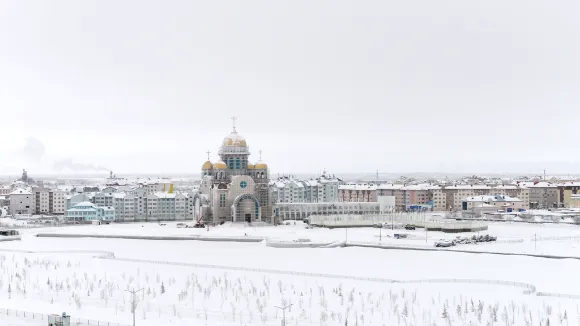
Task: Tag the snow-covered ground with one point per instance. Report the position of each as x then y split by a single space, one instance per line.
86 286
552 239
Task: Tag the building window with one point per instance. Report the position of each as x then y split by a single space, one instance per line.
222 200
238 166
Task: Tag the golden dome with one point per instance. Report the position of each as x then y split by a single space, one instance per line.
261 165
235 139
220 165
250 166
207 166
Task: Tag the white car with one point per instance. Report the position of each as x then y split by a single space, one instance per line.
444 243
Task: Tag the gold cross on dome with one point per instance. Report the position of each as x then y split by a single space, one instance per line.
208 152
260 151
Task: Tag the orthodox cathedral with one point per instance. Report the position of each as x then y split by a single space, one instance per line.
233 189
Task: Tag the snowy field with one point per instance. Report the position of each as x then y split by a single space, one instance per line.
551 239
52 275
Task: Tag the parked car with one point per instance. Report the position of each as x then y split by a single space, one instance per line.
400 236
181 225
444 243
409 227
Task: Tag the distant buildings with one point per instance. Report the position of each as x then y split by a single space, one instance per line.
429 196
21 202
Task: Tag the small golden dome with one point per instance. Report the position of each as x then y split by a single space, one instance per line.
261 165
220 165
207 166
250 166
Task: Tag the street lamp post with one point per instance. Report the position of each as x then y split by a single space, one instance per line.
284 313
133 303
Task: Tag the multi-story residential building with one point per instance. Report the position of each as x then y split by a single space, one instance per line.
565 192
543 195
21 202
48 201
288 189
393 190
357 193
417 196
40 199
104 199
439 198
56 202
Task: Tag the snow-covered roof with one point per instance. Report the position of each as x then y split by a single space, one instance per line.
164 195
85 203
390 186
466 187
492 198
21 192
357 187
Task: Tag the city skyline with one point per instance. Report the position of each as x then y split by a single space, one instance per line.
452 87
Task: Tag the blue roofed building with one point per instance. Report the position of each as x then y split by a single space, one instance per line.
86 212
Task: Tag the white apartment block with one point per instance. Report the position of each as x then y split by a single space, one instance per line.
48 201
138 204
324 189
21 202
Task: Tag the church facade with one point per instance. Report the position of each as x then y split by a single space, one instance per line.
233 189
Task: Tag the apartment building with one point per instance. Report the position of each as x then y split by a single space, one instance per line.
393 190
357 193
21 202
48 201
287 189
565 192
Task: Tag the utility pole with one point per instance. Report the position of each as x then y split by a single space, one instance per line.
284 313
133 302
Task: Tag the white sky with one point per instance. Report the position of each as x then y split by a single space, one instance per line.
350 86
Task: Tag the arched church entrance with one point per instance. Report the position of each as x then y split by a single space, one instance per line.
246 208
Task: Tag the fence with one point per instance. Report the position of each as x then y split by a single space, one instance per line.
27 315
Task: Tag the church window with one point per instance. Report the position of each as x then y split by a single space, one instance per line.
222 200
238 163
244 166
231 161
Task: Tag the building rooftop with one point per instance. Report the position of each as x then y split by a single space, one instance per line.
492 198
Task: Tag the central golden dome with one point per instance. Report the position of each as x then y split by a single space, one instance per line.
234 139
207 166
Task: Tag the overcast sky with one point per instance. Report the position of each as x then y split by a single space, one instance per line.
350 86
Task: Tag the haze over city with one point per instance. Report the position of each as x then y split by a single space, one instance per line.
415 86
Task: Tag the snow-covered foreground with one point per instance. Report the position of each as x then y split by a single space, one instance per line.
86 286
